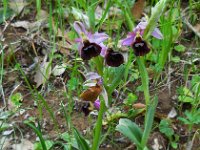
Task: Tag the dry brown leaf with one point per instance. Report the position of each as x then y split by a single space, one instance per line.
17 5
24 145
30 27
59 69
42 15
21 24
138 8
43 73
64 47
197 27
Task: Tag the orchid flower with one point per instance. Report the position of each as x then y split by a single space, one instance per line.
90 95
113 58
134 39
90 45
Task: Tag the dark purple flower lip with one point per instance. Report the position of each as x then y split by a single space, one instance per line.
140 47
87 108
90 50
114 59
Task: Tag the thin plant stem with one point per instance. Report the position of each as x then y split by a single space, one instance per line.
144 78
5 7
97 133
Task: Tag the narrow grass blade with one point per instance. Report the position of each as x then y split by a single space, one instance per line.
91 14
104 14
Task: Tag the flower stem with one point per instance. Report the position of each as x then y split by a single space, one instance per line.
99 65
98 127
144 78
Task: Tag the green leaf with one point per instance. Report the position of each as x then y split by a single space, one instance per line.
8 14
130 130
185 95
156 13
103 18
118 73
164 128
70 140
175 59
16 99
130 99
91 13
71 35
38 145
185 99
195 84
82 144
184 120
72 84
179 48
191 117
5 114
4 126
38 133
174 145
149 117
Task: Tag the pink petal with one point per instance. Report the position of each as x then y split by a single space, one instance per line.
80 46
103 50
131 33
157 34
128 41
142 25
98 37
92 76
97 104
78 40
80 28
89 35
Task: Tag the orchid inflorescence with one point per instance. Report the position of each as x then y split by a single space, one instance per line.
91 45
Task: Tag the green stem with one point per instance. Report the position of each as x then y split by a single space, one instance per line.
97 133
144 78
99 64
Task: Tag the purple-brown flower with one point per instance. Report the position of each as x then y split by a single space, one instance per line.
90 45
113 58
140 47
134 39
90 96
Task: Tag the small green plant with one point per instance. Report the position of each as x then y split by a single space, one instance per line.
191 118
134 132
190 95
131 99
165 128
16 99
